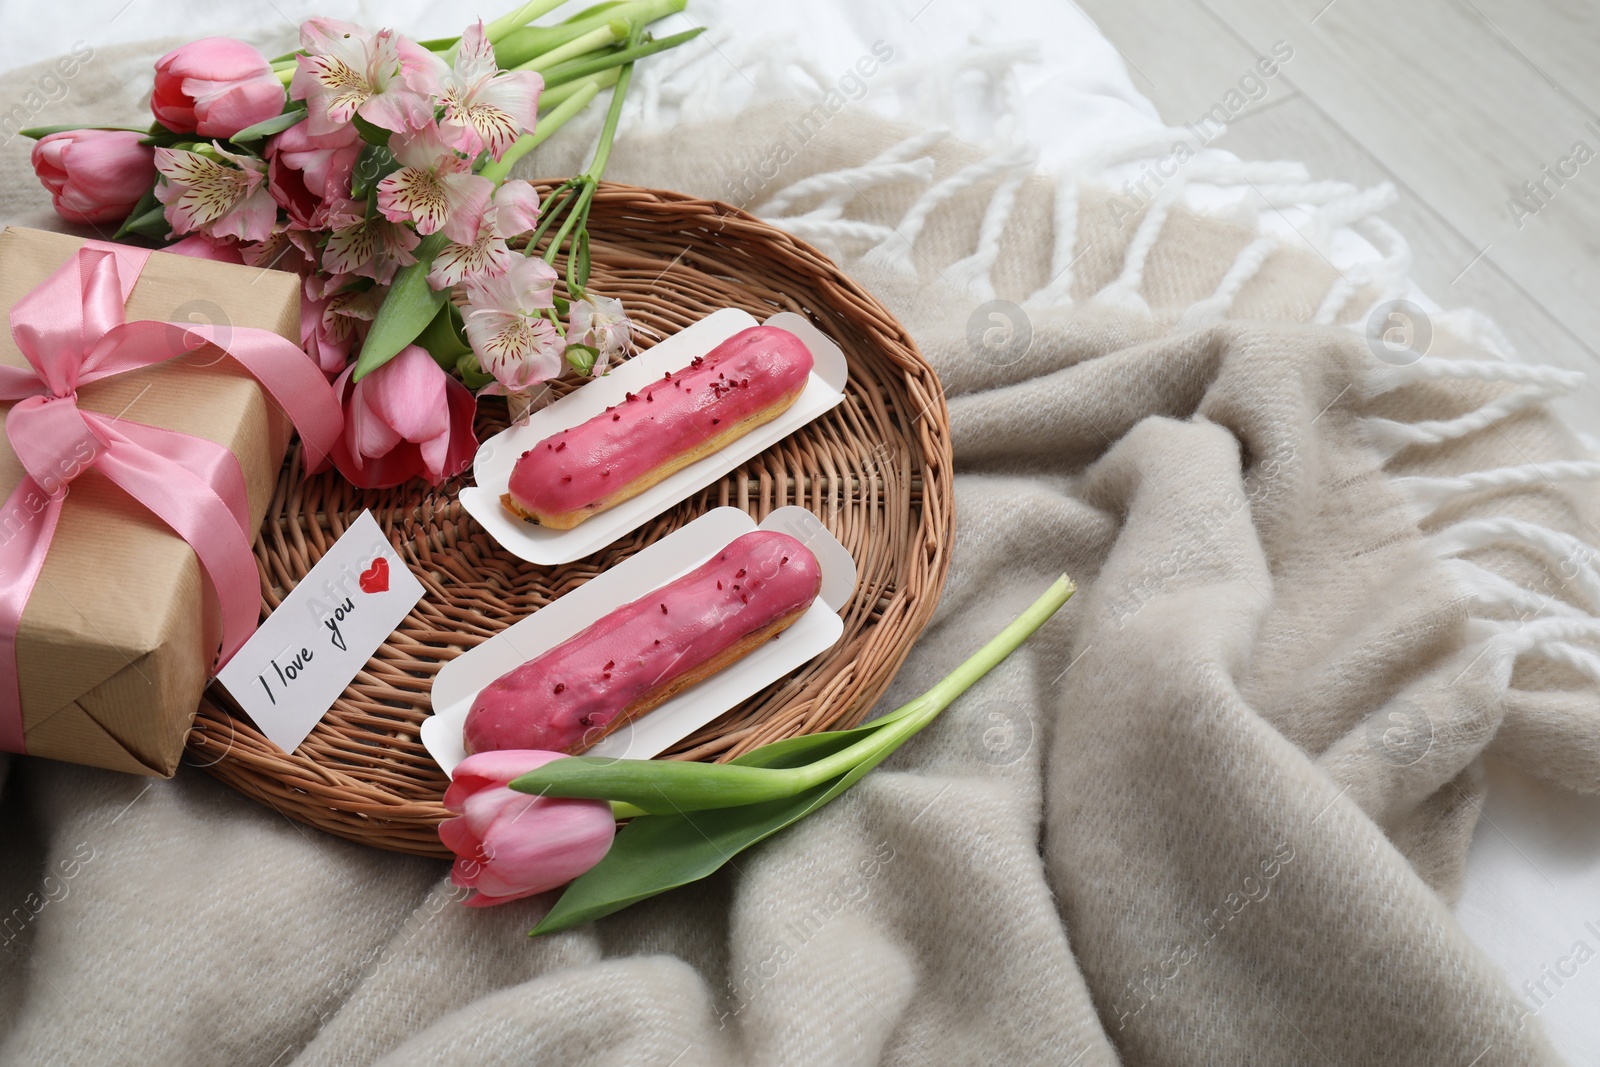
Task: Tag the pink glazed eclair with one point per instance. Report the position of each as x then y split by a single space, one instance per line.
643 653
749 379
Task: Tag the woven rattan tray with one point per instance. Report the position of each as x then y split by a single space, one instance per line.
876 470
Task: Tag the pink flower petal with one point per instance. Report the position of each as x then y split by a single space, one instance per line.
547 846
516 207
484 769
407 393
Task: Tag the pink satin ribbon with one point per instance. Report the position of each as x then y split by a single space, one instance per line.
71 328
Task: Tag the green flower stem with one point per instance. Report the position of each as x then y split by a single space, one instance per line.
673 786
517 19
529 42
549 124
581 67
610 33
578 208
554 97
608 132
554 204
578 212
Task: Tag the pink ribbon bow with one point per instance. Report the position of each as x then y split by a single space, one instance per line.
71 328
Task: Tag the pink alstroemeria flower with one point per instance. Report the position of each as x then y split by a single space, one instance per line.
434 188
600 323
506 327
515 210
224 197
369 247
485 107
407 419
511 845
326 338
332 321
384 78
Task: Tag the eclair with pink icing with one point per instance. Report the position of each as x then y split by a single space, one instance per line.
645 652
749 379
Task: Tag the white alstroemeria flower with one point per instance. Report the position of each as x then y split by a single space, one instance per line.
600 323
515 210
383 77
485 107
434 187
507 328
222 198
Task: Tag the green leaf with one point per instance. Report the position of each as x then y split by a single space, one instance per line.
373 164
807 748
141 209
655 853
37 132
563 306
472 375
580 258
369 133
659 785
405 312
443 339
153 223
270 126
165 138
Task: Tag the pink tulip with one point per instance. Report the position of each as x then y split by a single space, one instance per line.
407 419
305 171
94 175
510 845
215 87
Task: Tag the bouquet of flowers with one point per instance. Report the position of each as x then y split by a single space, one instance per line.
377 169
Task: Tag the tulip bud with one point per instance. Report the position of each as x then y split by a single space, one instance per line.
216 87
510 845
94 175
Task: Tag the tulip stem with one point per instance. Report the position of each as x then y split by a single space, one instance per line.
700 786
903 722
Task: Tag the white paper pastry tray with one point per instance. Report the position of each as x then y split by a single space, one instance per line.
491 470
459 681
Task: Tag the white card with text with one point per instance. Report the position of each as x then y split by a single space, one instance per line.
290 672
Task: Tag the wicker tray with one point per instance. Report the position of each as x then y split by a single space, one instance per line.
876 470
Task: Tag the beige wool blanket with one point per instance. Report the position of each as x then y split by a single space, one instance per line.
1213 813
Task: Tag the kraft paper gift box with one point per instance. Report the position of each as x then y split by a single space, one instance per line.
118 638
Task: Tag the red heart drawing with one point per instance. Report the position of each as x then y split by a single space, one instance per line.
375 579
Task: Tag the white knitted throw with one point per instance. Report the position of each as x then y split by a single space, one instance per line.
1213 813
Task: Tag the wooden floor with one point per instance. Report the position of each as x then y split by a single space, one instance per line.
1456 102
